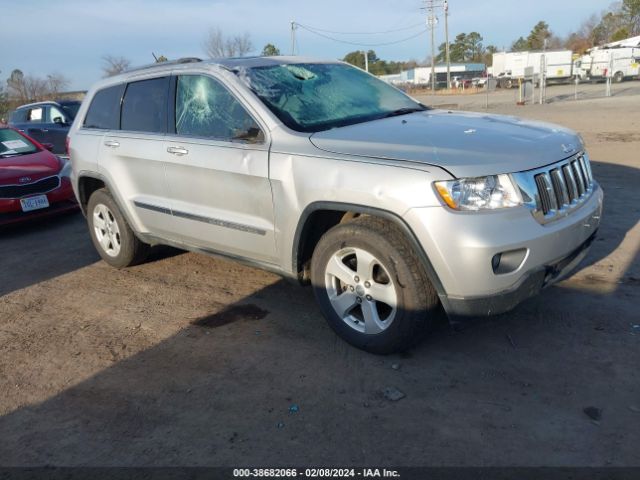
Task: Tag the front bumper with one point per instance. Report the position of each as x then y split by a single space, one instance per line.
60 200
460 247
530 285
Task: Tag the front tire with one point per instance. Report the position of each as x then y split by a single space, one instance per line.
618 77
111 234
371 286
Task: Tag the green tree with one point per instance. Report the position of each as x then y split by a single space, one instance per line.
475 49
620 34
457 50
520 45
610 23
464 48
630 12
538 35
270 50
355 58
377 66
487 58
161 59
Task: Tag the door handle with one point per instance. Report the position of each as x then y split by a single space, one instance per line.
177 150
111 143
45 130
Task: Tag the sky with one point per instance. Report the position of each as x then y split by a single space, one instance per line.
72 36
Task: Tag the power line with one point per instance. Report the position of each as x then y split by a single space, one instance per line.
408 27
361 44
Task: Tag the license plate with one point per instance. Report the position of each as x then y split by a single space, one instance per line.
34 203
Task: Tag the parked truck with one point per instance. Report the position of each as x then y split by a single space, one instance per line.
509 67
620 63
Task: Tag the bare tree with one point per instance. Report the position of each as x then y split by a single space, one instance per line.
242 44
37 88
57 83
23 88
112 65
216 45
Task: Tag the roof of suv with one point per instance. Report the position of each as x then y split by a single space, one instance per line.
192 63
230 63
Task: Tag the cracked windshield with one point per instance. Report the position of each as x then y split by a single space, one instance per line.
315 97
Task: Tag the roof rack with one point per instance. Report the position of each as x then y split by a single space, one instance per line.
161 64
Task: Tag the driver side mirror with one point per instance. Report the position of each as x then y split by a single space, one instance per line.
59 120
48 146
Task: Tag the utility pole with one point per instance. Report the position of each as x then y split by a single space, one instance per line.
366 60
432 20
446 41
293 38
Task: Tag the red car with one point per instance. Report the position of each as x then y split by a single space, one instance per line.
33 181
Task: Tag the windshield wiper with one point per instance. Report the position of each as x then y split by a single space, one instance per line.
404 111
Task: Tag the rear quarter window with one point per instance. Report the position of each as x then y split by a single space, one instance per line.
18 116
104 110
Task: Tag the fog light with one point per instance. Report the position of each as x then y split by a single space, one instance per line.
495 262
507 262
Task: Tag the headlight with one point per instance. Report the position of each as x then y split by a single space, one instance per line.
65 171
480 193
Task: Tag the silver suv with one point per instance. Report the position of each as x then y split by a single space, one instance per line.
394 212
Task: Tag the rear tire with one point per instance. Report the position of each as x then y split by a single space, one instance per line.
618 77
371 286
111 234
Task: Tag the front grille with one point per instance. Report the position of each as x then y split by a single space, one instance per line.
43 185
563 185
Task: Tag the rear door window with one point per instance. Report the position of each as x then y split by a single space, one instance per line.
19 116
104 111
204 108
144 107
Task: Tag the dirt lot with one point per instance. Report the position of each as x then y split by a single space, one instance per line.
106 367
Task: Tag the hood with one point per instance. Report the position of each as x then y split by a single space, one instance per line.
465 144
35 166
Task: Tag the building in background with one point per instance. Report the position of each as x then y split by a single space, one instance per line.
421 76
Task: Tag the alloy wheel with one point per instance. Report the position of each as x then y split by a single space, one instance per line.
361 291
106 230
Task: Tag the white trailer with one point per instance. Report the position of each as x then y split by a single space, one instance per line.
619 63
508 67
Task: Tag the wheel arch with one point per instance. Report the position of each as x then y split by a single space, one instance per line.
307 234
87 184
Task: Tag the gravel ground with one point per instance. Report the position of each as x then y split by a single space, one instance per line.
190 360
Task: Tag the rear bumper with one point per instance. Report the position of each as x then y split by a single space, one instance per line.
530 285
